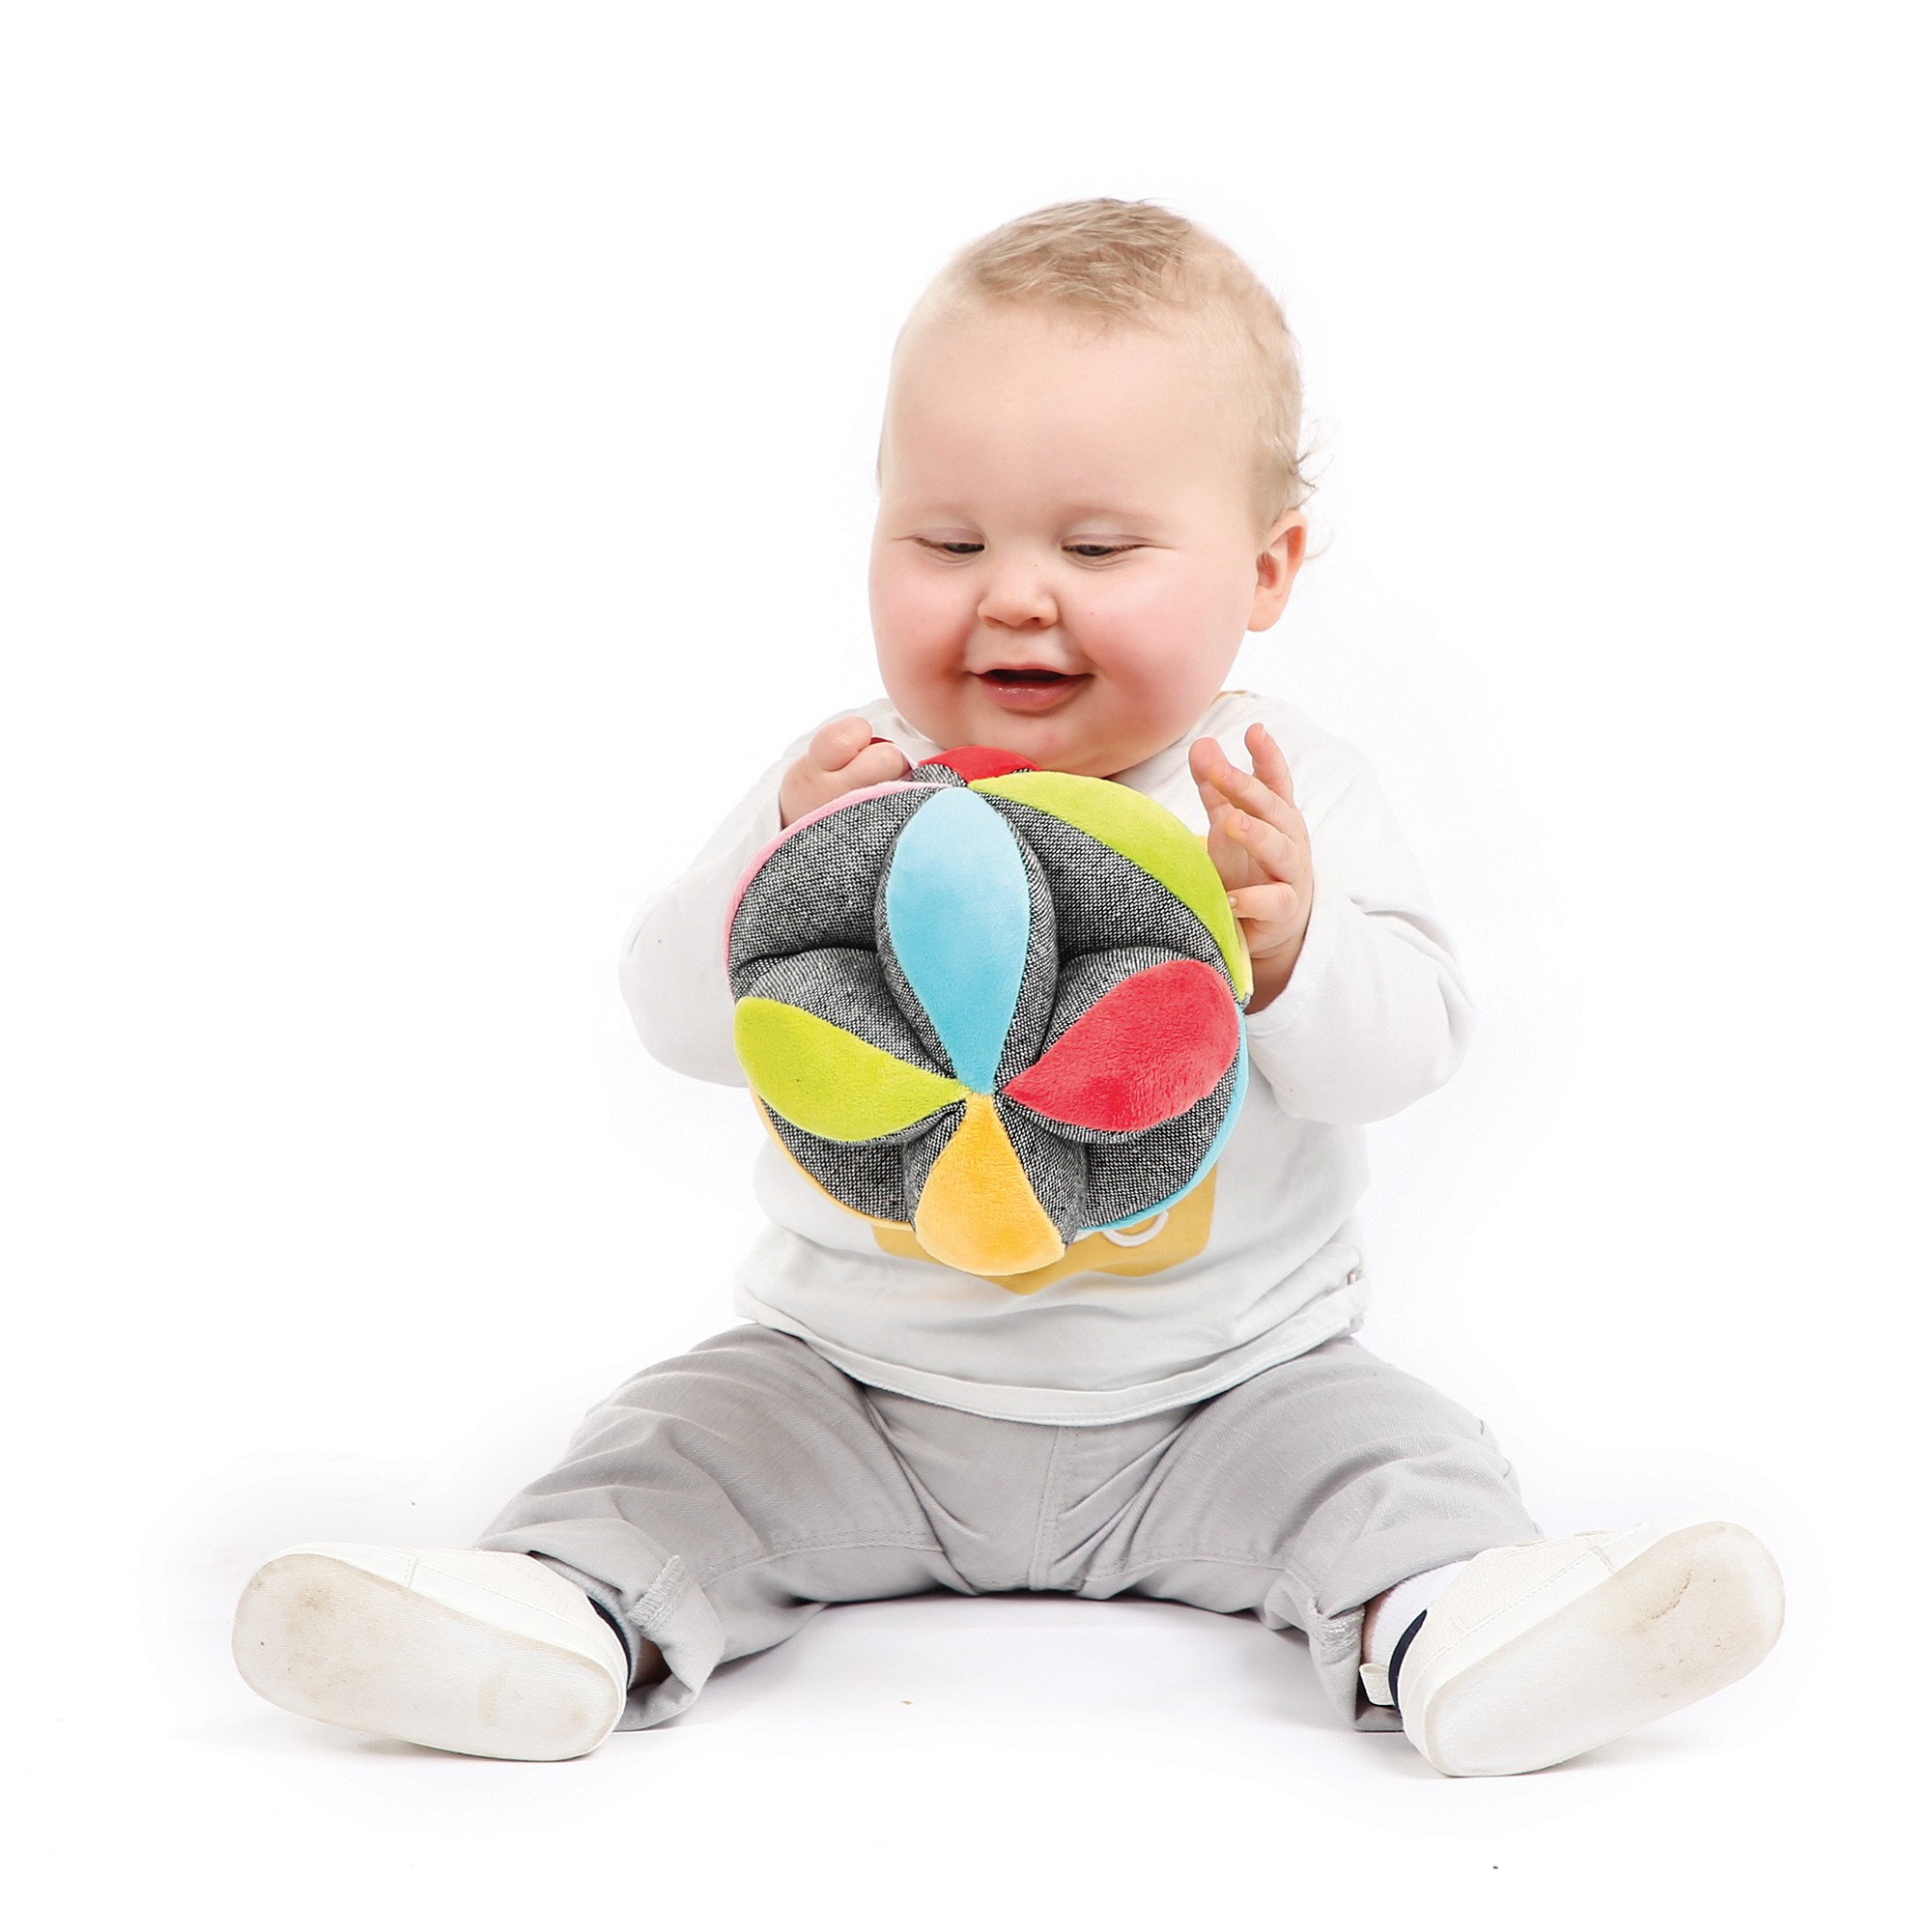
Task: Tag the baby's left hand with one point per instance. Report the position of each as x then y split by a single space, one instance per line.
1258 843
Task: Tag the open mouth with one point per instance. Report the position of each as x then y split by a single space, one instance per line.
1028 688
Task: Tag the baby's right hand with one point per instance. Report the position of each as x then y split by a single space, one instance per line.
842 757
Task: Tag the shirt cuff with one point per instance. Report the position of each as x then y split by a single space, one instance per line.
1319 946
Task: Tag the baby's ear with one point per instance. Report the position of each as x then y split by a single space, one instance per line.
1284 546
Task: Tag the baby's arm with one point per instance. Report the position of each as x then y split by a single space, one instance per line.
1361 1006
672 970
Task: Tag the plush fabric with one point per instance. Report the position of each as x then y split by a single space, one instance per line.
978 1208
1144 1052
956 905
1137 828
831 1082
968 762
994 1010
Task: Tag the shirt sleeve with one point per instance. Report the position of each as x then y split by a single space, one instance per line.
672 968
1376 1013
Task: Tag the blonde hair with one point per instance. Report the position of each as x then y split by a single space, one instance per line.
1139 264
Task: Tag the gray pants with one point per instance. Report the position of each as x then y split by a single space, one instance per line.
721 1500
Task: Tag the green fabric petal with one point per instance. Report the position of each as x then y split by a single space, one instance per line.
831 1082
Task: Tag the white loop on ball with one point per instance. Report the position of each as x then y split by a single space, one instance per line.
1136 1237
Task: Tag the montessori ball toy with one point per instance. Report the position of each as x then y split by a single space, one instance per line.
993 1007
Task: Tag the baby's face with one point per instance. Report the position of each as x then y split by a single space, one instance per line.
1066 556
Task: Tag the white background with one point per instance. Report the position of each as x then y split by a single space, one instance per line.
437 453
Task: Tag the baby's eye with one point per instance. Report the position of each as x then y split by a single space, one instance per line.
946 549
1098 550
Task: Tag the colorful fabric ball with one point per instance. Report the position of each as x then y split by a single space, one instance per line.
999 1006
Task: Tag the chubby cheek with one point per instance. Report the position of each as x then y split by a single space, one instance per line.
1165 646
918 627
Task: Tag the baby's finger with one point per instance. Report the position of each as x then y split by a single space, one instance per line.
1251 794
1270 847
1271 767
1273 904
836 745
1230 861
1203 757
876 764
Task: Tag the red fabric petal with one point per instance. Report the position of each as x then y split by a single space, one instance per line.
981 761
1142 1053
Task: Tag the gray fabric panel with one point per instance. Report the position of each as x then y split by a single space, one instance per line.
872 1177
1033 1009
819 887
1055 1165
909 1004
1127 1179
921 1151
845 986
1102 901
934 773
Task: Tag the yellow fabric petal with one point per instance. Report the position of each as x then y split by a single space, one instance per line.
831 1082
1183 1235
1138 828
978 1211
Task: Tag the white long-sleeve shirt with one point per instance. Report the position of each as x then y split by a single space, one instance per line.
1374 1017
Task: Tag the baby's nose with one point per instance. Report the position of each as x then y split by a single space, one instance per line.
1018 599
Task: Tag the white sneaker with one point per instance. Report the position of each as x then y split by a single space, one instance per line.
1542 1650
470 1650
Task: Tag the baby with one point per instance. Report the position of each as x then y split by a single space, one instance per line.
1090 490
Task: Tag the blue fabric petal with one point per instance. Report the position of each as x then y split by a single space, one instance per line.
958 908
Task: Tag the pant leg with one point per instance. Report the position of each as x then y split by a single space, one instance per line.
717 1501
1299 1495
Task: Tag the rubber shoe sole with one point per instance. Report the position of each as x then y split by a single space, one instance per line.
1523 1663
461 1650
